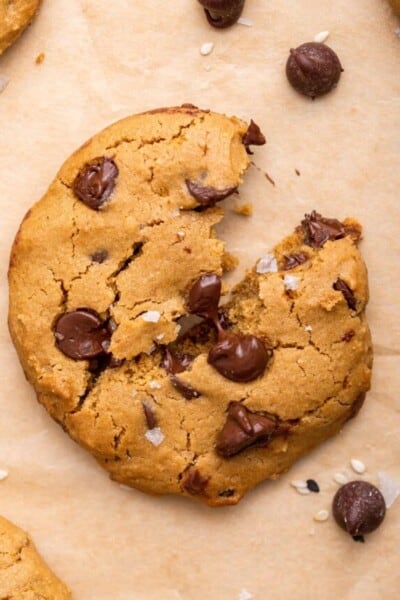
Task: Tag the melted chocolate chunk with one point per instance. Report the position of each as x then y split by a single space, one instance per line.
239 357
176 362
348 335
195 483
294 260
313 69
95 183
204 296
341 286
318 230
184 388
100 256
222 13
253 136
150 416
206 195
358 508
82 334
244 429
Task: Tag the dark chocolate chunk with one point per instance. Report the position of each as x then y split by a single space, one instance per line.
318 229
95 183
358 507
195 483
239 357
313 486
100 256
222 13
348 335
313 69
244 429
150 416
359 538
204 296
82 334
184 388
253 136
294 260
206 195
176 362
341 286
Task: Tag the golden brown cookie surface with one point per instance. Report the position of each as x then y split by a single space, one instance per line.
23 573
104 268
15 16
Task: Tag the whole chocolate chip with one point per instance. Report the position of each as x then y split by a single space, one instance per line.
253 136
100 256
206 195
81 334
313 69
204 296
222 13
313 486
95 183
239 357
318 230
176 362
244 429
341 286
184 388
358 507
149 415
348 335
294 260
195 483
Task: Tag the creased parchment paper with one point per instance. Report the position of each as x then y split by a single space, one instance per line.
105 60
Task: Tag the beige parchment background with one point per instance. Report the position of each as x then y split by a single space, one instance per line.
105 60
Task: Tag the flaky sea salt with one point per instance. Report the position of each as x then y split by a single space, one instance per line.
340 478
303 491
245 22
389 487
133 392
206 48
397 32
3 474
321 37
155 436
4 81
357 466
308 328
180 234
245 595
267 264
299 483
321 515
154 385
151 316
291 282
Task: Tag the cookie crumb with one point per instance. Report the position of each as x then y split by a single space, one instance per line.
291 282
321 515
40 58
154 385
245 22
389 488
340 478
245 595
229 262
243 209
297 172
357 466
3 474
321 37
206 48
308 328
267 264
151 316
155 436
4 81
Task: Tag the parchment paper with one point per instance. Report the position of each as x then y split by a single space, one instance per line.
105 60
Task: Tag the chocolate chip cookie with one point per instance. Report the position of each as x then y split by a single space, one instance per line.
23 573
125 327
15 16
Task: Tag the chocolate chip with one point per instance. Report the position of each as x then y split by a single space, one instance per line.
348 335
184 388
100 256
150 416
176 362
244 429
227 493
253 136
294 260
95 183
204 296
358 507
341 286
206 195
195 483
82 334
313 69
313 486
222 13
359 538
318 229
239 357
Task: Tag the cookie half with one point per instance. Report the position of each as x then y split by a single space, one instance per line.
15 16
117 314
23 573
